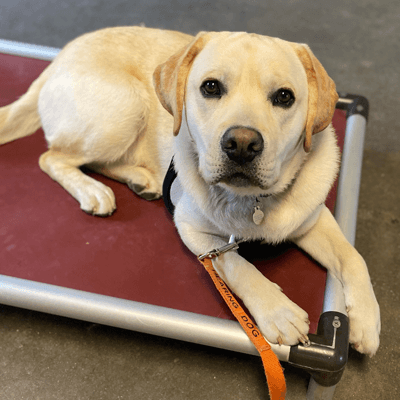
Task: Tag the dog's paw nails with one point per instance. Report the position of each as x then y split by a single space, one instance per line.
137 188
356 346
144 192
367 349
287 327
96 213
304 339
97 199
104 215
150 196
364 331
366 346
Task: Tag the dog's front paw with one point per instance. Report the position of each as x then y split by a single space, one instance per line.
365 325
97 199
279 319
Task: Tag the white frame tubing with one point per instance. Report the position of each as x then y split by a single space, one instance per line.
28 50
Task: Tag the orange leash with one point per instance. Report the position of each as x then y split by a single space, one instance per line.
272 367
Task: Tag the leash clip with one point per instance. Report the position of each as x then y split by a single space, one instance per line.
232 245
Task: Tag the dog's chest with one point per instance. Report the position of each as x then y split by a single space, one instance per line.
246 218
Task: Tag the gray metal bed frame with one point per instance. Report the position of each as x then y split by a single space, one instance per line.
183 325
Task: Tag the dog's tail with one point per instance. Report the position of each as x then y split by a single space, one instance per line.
21 118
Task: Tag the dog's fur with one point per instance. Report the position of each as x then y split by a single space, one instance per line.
98 107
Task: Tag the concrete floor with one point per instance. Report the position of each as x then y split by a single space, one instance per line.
48 357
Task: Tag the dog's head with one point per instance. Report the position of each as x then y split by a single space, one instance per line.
251 102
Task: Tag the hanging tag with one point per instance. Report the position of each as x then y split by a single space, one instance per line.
258 215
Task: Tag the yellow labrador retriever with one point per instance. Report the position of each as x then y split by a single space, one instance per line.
244 108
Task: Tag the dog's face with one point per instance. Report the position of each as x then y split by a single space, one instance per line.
246 108
247 102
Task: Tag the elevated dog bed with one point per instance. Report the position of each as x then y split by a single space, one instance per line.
132 271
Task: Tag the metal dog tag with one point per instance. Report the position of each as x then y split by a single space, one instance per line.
258 215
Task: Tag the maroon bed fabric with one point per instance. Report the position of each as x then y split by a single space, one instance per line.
136 253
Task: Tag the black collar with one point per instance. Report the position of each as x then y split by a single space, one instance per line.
167 184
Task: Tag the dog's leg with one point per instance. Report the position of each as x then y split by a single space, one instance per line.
139 179
93 196
279 319
326 243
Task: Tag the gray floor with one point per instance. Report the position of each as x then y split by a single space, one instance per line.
47 357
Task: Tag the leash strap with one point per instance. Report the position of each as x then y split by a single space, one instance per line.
272 367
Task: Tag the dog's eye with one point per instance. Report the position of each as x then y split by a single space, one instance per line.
283 98
211 88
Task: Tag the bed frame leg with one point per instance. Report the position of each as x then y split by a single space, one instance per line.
319 392
325 356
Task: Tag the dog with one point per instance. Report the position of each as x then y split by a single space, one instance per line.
248 121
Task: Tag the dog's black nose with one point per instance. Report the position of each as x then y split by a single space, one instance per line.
242 144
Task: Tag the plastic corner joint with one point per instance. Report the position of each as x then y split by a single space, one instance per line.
326 356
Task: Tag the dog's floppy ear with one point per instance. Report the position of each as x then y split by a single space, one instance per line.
170 78
322 95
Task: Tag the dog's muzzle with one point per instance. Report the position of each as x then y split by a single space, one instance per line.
242 144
